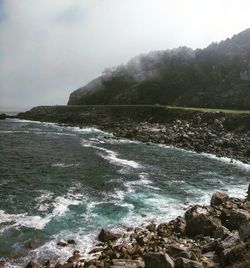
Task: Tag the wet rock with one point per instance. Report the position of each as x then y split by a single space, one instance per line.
62 243
71 242
218 199
32 264
186 263
107 235
153 260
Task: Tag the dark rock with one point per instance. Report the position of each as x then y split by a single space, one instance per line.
71 242
244 230
62 243
176 251
107 235
218 198
141 240
233 254
151 227
75 258
32 264
3 116
95 250
202 224
236 217
186 263
153 260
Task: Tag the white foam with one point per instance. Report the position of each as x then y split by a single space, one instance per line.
18 220
228 161
112 156
42 200
64 165
61 205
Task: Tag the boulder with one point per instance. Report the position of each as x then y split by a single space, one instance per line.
202 224
3 116
107 235
236 217
177 251
71 242
32 264
186 263
233 254
218 199
153 260
244 230
62 243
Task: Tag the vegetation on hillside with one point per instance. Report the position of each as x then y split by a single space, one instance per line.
215 77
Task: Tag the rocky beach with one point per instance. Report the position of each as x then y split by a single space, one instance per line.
217 235
223 134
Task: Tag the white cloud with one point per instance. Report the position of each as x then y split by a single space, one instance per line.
49 48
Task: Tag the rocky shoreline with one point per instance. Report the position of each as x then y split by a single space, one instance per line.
218 133
217 235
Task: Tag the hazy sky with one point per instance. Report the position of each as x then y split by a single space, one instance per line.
48 48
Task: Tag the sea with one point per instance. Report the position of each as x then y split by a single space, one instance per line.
59 182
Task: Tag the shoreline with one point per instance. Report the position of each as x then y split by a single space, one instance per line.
215 235
221 134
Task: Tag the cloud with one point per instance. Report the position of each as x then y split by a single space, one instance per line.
48 48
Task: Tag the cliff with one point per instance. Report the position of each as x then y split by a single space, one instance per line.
215 77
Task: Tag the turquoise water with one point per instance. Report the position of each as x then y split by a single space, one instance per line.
67 183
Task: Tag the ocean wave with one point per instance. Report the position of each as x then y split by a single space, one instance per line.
112 156
64 165
228 160
18 220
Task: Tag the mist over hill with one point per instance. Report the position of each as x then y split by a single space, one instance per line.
215 77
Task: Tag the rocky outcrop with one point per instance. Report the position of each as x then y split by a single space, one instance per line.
199 239
107 235
3 116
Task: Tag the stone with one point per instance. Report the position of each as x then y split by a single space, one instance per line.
202 224
141 240
32 264
233 254
186 263
153 260
244 230
176 251
3 116
218 199
236 217
62 243
151 227
71 242
107 235
74 258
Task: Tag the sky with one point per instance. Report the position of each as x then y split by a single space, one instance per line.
48 48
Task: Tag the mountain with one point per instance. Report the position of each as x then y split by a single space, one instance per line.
215 77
